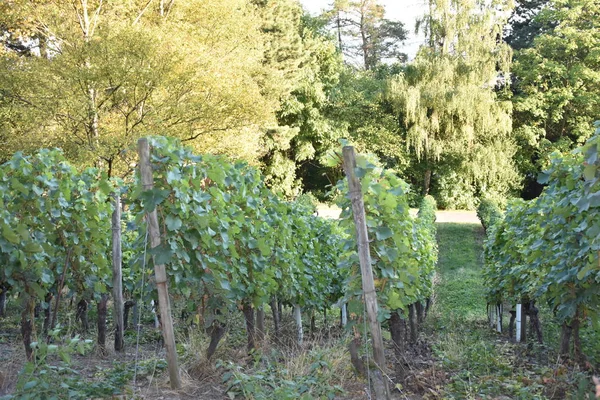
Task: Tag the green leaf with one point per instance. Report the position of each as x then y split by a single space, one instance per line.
543 178
9 235
265 250
162 254
383 232
152 198
30 385
32 247
173 222
589 172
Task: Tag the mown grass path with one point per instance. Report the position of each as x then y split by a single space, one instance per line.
479 363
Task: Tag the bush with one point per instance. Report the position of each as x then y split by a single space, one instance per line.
427 210
490 211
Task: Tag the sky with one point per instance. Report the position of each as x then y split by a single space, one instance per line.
406 11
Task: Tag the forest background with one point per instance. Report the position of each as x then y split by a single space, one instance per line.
495 88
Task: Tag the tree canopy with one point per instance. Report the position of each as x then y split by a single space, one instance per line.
447 102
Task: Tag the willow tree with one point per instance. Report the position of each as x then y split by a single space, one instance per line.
111 72
448 103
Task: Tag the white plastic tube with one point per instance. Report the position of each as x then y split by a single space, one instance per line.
518 323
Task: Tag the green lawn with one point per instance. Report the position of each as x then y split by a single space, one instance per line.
481 364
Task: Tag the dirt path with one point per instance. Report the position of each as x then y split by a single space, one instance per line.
458 216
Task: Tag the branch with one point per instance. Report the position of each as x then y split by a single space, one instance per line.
136 20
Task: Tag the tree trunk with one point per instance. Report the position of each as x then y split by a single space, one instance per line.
420 312
339 32
250 327
217 331
260 325
47 313
276 314
344 315
3 291
313 324
427 182
577 353
128 305
565 340
413 323
81 315
357 362
397 333
511 324
27 324
102 310
534 319
427 306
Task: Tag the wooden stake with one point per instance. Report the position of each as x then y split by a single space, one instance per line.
358 209
117 273
159 269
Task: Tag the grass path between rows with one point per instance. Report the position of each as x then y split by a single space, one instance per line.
479 363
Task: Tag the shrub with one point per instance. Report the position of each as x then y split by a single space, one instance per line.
489 211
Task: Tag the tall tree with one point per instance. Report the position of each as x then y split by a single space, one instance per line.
557 84
115 71
364 32
523 26
447 102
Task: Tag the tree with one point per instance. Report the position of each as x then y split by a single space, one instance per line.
523 26
447 103
362 31
557 85
114 71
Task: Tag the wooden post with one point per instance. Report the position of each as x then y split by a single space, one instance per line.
159 269
358 209
117 261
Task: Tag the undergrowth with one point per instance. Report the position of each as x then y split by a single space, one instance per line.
480 363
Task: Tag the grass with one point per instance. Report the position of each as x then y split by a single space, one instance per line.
479 363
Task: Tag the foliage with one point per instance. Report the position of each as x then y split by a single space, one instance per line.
476 362
453 119
224 234
557 84
363 32
489 212
54 222
523 26
548 247
305 130
110 73
47 378
268 379
403 251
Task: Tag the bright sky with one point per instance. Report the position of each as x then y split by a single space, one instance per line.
406 11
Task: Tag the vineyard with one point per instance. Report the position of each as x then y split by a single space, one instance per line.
230 247
547 251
